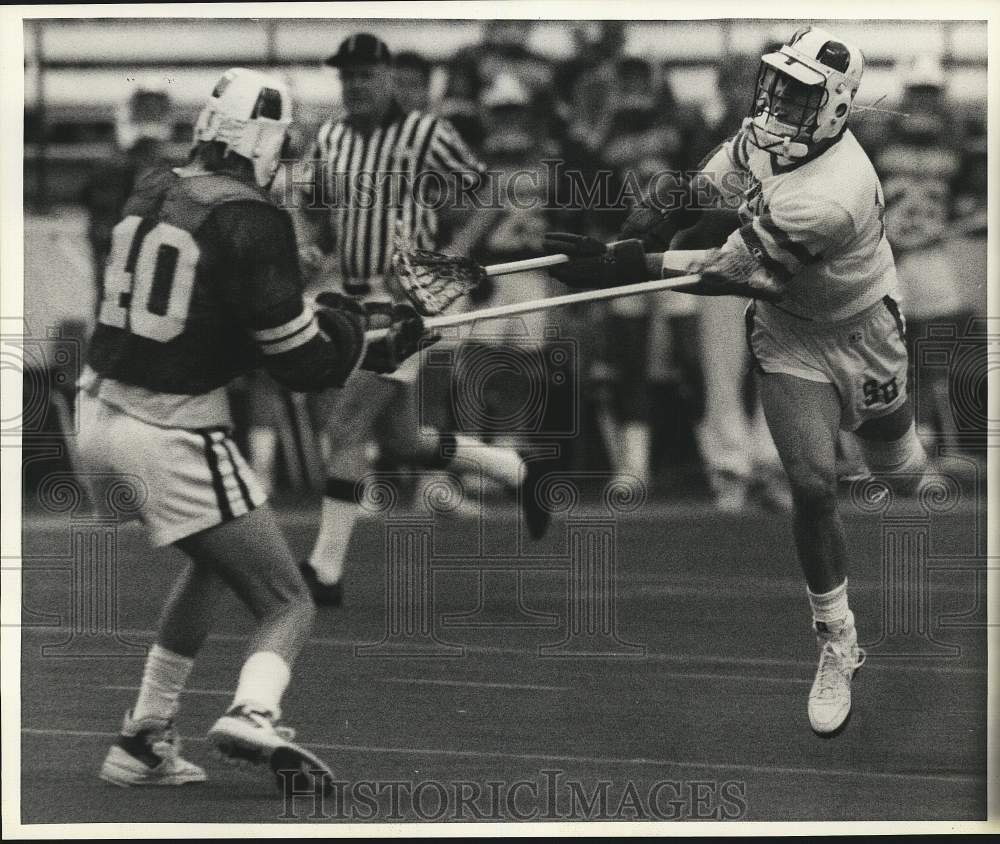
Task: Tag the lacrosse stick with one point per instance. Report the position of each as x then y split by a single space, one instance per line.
449 320
433 280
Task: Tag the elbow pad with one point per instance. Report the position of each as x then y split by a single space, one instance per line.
327 359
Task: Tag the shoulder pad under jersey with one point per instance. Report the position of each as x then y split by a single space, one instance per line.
194 197
149 187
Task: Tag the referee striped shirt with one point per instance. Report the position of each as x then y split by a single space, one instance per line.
379 185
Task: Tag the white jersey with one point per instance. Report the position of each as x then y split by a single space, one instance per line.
816 224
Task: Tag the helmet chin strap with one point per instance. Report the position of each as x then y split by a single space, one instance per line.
780 145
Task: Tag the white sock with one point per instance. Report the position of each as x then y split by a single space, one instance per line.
163 679
830 608
340 512
263 681
635 449
501 464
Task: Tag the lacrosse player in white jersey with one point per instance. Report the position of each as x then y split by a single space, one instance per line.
825 331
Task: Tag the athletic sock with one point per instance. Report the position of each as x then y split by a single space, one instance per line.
635 449
263 681
501 464
163 678
830 608
340 512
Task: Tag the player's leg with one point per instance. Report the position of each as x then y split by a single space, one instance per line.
405 438
771 483
248 555
893 451
147 751
631 333
804 418
346 418
252 557
881 410
148 748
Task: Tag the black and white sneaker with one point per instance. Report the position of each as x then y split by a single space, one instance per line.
148 752
244 737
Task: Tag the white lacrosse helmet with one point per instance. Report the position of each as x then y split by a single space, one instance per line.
804 93
250 113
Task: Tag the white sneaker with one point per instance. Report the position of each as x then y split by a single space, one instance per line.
148 752
246 737
830 696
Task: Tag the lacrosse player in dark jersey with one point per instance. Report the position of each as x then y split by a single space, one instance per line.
203 284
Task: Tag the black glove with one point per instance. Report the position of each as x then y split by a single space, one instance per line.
379 314
596 264
405 337
668 209
653 227
340 302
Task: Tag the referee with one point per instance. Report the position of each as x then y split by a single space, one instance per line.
369 183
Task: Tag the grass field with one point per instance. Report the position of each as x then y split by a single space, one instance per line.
713 702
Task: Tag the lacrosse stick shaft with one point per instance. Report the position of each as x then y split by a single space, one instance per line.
678 259
526 264
534 305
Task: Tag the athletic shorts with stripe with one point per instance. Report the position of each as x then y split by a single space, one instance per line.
194 479
864 356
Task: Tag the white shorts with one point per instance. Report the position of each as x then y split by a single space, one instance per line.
863 356
194 479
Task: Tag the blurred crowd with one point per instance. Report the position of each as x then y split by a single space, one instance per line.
632 386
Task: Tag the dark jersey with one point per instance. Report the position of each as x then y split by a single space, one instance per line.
203 284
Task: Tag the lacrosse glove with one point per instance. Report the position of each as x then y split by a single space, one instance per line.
340 302
404 337
374 315
404 329
596 264
658 218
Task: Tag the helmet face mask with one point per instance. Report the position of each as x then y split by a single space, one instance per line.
789 108
250 113
804 93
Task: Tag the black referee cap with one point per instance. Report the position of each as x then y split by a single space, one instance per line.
360 48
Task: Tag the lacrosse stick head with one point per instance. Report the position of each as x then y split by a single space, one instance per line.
433 280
